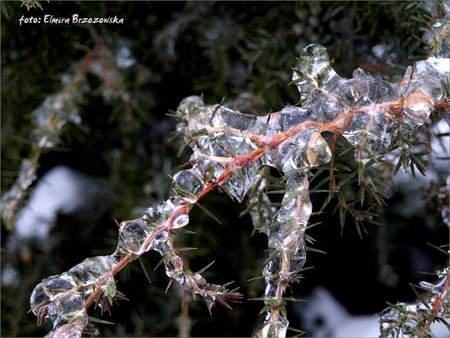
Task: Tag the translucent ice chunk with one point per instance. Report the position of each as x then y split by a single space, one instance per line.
188 185
325 106
241 180
421 86
270 292
71 306
159 243
38 297
132 235
292 154
277 328
292 116
190 106
99 265
240 145
318 150
80 275
272 267
299 256
313 70
226 117
159 213
56 284
367 133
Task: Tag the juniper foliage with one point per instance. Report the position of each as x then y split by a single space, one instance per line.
100 95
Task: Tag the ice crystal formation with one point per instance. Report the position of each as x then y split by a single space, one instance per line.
231 152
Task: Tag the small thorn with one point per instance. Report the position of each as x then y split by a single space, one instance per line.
207 213
205 268
169 285
209 309
159 264
145 270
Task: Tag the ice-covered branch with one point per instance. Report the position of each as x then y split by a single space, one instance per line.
62 108
231 152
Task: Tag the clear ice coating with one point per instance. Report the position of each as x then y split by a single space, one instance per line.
313 70
413 317
286 236
62 298
231 151
274 327
188 184
132 235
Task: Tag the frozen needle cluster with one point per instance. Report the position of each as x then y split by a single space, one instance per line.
415 319
231 152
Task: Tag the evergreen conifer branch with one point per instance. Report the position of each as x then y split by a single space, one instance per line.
59 109
231 152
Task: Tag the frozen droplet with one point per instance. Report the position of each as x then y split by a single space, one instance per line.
38 297
74 328
188 185
180 221
132 234
418 113
199 280
99 265
159 243
318 150
69 307
160 212
56 284
80 275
